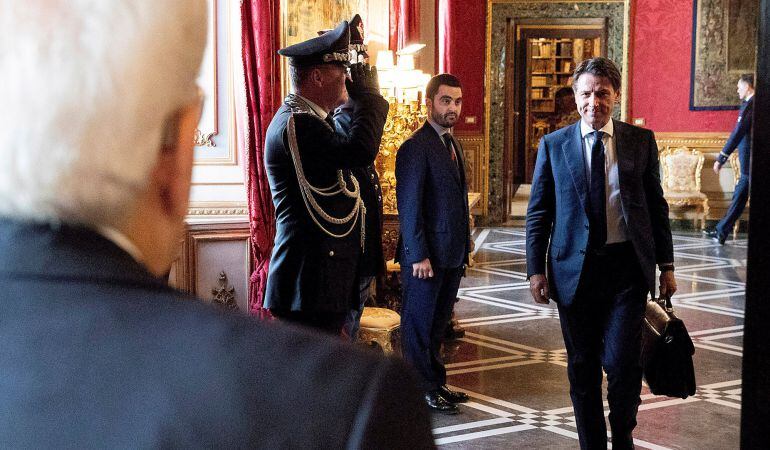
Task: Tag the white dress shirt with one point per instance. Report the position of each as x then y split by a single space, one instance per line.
122 241
616 224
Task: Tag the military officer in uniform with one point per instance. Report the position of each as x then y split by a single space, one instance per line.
319 213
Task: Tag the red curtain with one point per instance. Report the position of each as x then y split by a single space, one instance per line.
404 23
262 83
443 25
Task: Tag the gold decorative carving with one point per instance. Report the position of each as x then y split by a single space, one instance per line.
403 119
703 141
224 296
210 210
204 139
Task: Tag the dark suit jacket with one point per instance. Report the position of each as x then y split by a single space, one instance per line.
97 353
740 138
311 271
432 198
558 214
372 259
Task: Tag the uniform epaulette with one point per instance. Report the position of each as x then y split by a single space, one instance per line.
297 106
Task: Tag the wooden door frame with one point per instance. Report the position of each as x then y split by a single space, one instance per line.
514 159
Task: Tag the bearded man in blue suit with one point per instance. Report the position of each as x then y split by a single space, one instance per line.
597 224
434 242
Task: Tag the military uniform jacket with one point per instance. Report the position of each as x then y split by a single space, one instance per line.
310 270
372 259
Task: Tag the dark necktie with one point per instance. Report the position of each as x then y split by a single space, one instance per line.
448 143
598 219
330 120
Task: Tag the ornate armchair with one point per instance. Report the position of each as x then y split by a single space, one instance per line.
681 169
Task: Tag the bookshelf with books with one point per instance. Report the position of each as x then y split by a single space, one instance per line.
550 63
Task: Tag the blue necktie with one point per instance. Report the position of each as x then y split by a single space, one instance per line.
598 219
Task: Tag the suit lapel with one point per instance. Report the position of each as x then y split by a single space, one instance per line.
442 153
573 154
625 155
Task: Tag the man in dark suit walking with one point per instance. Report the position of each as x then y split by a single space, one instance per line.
740 138
433 247
320 216
597 224
97 350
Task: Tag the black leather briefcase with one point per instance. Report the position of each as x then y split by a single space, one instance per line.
667 351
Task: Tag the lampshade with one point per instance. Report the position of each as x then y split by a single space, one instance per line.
406 62
384 60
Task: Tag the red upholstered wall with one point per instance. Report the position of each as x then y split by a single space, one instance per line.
466 49
661 64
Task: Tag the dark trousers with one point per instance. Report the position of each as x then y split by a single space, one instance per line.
602 328
353 318
426 307
737 205
327 322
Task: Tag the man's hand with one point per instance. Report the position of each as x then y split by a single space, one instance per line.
538 286
363 80
667 284
422 269
717 167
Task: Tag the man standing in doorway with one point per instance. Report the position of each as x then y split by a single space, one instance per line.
433 247
740 138
597 224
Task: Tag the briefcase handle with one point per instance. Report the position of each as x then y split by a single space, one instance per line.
665 303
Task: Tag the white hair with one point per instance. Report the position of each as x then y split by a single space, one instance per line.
86 88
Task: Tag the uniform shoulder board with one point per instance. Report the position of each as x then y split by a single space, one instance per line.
297 106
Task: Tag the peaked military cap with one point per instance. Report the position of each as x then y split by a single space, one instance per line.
330 47
357 46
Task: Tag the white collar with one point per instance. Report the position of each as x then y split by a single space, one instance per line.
586 129
749 96
316 109
121 240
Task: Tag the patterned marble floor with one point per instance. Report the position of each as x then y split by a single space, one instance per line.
512 359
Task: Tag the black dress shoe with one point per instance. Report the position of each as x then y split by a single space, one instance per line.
453 396
437 403
454 332
714 234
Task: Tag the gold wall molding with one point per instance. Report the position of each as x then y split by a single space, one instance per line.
701 140
213 209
